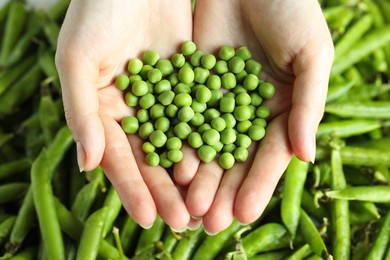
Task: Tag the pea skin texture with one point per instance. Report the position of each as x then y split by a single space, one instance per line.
139 88
195 140
134 66
174 143
122 82
152 159
211 136
158 138
188 48
130 125
226 160
151 57
206 153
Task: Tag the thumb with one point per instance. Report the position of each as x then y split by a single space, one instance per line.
81 107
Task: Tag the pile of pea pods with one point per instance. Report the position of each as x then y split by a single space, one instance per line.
336 208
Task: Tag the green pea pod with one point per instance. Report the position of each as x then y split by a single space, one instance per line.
150 236
369 109
29 253
277 255
129 233
22 90
378 249
84 200
309 206
187 245
52 31
338 90
339 210
4 11
47 63
365 207
270 236
346 128
13 73
300 253
380 144
376 194
6 227
58 10
49 118
13 167
14 27
114 206
312 236
385 7
361 49
45 208
91 235
294 181
12 191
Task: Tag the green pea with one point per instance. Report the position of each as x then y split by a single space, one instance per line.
197 120
206 153
148 147
186 75
156 111
150 87
182 130
162 123
164 161
201 75
131 100
253 67
243 99
203 94
243 140
175 156
226 52
165 66
161 86
241 154
158 138
151 57
221 67
144 71
229 148
195 58
266 90
145 130
242 113
171 110
229 119
226 161
228 136
122 81
244 53
198 107
152 159
253 112
262 112
147 101
210 114
218 146
240 77
134 66
166 97
182 88
218 124
256 132
134 78
188 48
216 95
211 136
256 99
178 60
214 82
230 94
173 79
188 65
239 89
203 128
227 104
228 80
251 82
143 115
130 124
174 143
243 126
154 75
208 61
139 88
259 121
182 99
236 64
195 140
185 114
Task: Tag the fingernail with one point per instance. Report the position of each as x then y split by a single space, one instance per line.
312 148
80 156
194 217
195 226
146 227
179 230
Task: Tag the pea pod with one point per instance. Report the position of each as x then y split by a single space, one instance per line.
91 235
6 227
114 205
353 109
58 10
300 253
294 181
12 191
84 200
380 144
29 253
52 31
347 128
376 194
13 167
45 208
309 206
128 235
150 236
49 118
338 90
187 245
378 249
276 255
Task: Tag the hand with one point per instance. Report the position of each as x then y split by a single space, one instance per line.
292 41
96 41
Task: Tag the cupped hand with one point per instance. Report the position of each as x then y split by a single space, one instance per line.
292 41
96 41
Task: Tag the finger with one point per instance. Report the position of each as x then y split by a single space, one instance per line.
271 159
203 188
121 169
169 202
185 170
81 107
220 214
194 224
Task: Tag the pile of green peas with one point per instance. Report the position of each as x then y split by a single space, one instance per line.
212 103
